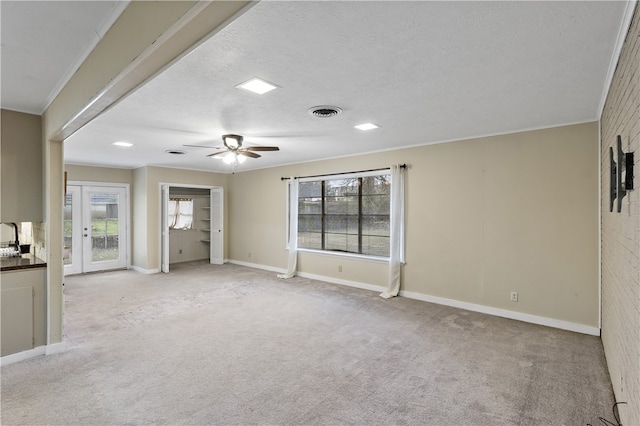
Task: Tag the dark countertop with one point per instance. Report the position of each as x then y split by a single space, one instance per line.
26 261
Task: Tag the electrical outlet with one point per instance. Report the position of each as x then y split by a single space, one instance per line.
514 296
180 251
339 268
249 255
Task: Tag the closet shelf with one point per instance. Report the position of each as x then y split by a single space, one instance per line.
205 241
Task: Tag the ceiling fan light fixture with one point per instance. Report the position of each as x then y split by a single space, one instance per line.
232 157
232 141
257 85
229 158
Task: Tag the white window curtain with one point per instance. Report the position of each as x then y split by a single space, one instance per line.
396 240
180 213
293 230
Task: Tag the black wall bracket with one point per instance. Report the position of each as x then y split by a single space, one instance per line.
621 175
613 179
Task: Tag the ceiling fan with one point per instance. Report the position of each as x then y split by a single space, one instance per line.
233 152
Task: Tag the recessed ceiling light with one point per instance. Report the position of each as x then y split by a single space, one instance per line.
257 85
366 126
123 144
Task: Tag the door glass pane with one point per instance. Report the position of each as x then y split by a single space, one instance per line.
68 230
104 227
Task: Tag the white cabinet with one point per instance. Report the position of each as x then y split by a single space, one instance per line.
23 324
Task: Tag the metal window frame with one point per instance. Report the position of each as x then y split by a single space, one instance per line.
359 176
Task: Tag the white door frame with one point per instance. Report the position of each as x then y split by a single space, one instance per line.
164 228
163 188
127 207
216 237
76 229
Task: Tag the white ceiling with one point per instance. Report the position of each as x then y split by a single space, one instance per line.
44 43
426 72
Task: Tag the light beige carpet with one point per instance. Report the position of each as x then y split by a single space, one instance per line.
232 345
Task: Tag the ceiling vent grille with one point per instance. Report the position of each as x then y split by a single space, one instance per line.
324 111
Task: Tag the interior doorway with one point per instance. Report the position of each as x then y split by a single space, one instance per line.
192 224
96 223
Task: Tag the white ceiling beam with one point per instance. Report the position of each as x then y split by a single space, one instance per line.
148 37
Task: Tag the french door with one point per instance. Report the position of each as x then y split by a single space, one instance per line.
95 228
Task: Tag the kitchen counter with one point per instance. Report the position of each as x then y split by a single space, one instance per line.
26 261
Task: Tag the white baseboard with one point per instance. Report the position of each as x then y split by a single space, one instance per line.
24 355
348 283
54 348
519 316
311 276
504 313
257 266
145 271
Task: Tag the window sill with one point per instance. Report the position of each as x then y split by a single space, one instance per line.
374 259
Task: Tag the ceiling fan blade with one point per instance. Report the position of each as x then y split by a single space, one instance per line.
262 148
217 153
248 153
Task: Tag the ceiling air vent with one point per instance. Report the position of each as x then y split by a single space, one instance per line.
324 111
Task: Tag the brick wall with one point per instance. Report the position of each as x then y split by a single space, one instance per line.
621 233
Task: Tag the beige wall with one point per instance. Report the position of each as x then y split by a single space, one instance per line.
21 146
139 218
146 208
621 233
98 174
484 217
145 201
53 227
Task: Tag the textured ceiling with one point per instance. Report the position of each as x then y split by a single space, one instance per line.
44 43
425 72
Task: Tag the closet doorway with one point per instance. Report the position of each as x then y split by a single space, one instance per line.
192 224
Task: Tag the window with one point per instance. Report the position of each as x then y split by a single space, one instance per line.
350 214
180 213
